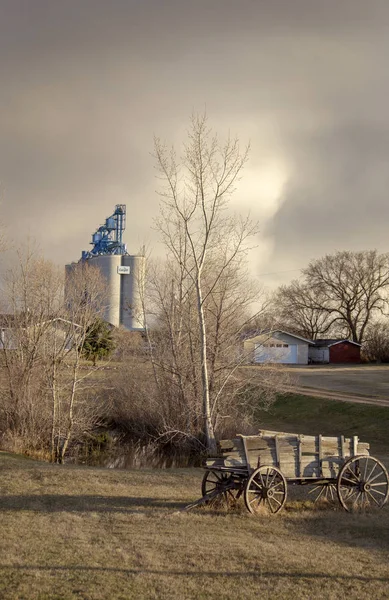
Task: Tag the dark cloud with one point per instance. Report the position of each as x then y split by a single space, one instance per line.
85 85
340 198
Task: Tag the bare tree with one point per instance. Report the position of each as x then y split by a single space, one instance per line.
32 297
175 356
84 303
44 400
376 345
298 311
340 292
204 245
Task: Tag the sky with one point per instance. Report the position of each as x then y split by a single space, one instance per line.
86 84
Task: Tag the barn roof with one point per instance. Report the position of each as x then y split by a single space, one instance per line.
258 332
326 343
9 321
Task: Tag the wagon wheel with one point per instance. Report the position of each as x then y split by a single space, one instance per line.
324 491
362 483
265 488
220 482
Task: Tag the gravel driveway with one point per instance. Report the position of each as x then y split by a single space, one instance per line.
365 380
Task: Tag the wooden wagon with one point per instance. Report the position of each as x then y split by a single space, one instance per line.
261 467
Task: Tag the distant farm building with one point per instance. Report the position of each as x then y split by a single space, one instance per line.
334 351
276 347
288 348
14 333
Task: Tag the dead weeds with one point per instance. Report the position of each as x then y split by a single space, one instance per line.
76 532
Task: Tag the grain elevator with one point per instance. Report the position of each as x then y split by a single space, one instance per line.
124 273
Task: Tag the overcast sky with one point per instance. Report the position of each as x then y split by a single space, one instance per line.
86 83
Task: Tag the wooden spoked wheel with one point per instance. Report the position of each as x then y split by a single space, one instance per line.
220 485
362 484
266 488
325 492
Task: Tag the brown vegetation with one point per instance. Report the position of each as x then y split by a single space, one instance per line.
45 405
72 532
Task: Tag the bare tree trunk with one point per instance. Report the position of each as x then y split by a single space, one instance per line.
209 430
54 414
201 238
70 416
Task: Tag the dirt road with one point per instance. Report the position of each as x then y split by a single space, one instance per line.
355 383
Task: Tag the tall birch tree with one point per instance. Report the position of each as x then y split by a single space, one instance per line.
204 241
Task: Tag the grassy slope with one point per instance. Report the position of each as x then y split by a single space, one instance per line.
303 414
76 532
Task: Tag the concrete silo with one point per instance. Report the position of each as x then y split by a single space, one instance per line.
132 288
123 273
108 266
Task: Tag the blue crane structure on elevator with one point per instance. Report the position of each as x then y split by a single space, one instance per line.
108 238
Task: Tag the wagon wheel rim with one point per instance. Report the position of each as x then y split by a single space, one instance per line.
265 488
362 484
217 481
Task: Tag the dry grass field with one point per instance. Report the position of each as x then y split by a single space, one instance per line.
76 532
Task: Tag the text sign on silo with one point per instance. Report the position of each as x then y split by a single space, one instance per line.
124 270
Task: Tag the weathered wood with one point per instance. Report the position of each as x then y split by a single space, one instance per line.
256 443
320 455
277 449
203 500
355 445
246 454
303 459
298 455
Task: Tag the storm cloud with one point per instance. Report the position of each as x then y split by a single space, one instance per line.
86 85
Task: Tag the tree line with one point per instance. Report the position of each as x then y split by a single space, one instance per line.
344 294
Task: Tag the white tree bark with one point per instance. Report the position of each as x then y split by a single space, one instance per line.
201 237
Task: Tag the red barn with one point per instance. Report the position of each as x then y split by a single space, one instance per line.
335 351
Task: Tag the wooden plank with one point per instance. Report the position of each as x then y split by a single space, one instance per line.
277 448
289 473
343 447
328 451
257 444
355 445
263 459
246 454
299 456
330 471
363 448
270 433
230 445
330 447
320 456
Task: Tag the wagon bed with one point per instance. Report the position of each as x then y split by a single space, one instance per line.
298 456
260 467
